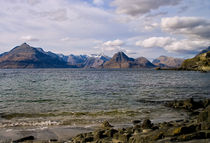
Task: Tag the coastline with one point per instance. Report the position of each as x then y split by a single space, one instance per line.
139 129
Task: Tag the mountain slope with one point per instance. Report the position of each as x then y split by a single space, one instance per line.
121 60
168 62
25 56
96 62
199 62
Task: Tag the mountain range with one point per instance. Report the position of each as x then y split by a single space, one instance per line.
167 62
25 56
121 60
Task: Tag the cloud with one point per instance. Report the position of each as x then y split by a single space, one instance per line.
55 15
155 42
98 2
114 43
140 7
174 45
151 26
29 39
189 26
187 46
111 46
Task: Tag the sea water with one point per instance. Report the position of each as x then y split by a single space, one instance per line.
77 97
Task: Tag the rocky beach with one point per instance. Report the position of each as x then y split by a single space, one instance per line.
195 128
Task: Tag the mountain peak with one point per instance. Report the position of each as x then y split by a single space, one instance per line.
25 45
120 56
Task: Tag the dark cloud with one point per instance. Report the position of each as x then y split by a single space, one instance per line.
139 7
190 26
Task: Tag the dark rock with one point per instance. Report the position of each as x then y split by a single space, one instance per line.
53 140
99 134
136 122
88 139
106 124
184 130
29 138
158 135
188 104
124 137
110 132
204 115
147 124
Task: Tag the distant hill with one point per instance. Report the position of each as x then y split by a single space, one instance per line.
168 62
121 60
25 56
199 62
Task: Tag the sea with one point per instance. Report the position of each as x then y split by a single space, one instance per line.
87 97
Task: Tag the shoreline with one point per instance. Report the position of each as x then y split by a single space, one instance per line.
65 133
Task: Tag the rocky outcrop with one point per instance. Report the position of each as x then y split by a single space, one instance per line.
121 60
196 128
200 62
168 62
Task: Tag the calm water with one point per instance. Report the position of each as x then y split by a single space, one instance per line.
106 93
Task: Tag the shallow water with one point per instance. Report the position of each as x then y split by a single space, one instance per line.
32 97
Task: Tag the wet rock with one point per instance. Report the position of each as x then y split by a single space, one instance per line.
147 124
89 139
184 130
136 122
188 104
110 132
204 116
106 124
99 134
195 135
124 137
206 103
196 128
158 135
29 138
53 140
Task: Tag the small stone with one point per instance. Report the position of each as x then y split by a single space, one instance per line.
106 124
146 130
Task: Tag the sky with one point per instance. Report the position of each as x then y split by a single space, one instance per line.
149 28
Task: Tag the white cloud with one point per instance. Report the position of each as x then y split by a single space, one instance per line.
187 46
139 7
114 43
110 46
151 26
98 2
155 42
29 38
189 26
174 45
